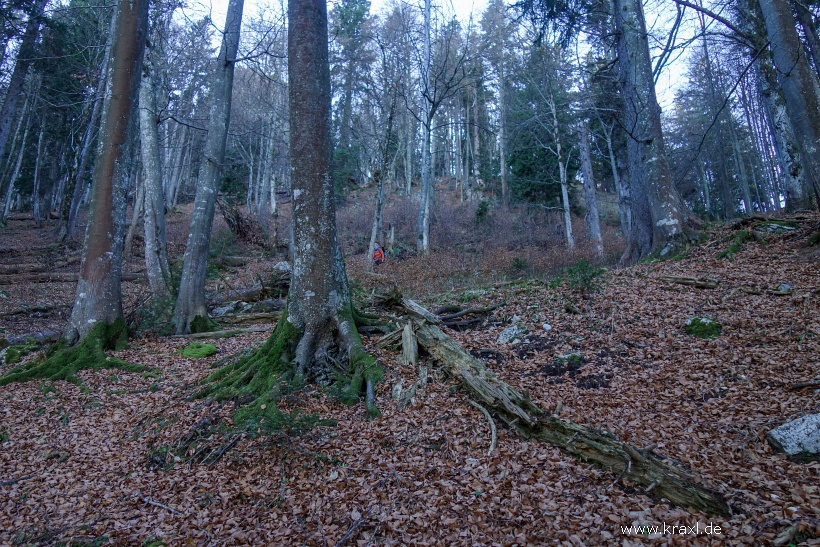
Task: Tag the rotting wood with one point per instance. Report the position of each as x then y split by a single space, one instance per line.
462 324
249 318
59 277
493 432
700 282
30 310
409 345
19 479
530 421
276 285
389 341
803 385
221 333
35 267
417 311
471 311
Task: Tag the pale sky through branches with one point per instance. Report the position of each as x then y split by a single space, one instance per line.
659 15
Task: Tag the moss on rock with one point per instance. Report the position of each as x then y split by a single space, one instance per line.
198 350
703 327
63 363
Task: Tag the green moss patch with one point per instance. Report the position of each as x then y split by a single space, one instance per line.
703 327
15 353
202 324
198 350
736 246
63 363
262 379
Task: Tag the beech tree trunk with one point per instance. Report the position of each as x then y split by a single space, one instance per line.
191 300
98 298
14 91
156 258
788 153
590 194
800 85
78 185
319 303
658 215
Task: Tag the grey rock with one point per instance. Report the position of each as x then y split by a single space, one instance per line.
799 438
510 334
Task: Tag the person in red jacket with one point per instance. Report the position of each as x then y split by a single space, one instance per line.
378 255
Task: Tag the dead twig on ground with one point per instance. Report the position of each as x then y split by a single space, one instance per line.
493 432
149 501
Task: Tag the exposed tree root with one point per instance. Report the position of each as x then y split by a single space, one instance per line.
291 357
63 363
640 466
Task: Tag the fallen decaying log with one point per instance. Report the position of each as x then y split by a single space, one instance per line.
249 318
57 277
41 337
642 467
701 283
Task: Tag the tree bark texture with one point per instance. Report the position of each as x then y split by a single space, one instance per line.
191 299
156 258
319 304
590 194
658 216
788 153
800 85
78 185
98 297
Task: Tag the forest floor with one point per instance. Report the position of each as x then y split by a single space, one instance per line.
111 460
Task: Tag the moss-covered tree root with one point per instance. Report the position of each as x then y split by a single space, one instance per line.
289 357
63 362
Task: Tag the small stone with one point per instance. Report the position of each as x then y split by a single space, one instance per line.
784 287
509 334
282 266
547 327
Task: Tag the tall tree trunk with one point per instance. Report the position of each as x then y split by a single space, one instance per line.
562 172
658 214
379 206
319 304
799 83
10 189
191 300
621 187
14 91
156 258
35 190
98 297
137 214
806 19
502 133
777 118
590 197
423 228
78 184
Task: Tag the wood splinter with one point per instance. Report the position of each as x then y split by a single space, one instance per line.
493 431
